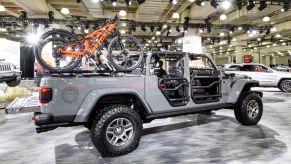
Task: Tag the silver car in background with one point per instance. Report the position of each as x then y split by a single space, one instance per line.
266 76
9 74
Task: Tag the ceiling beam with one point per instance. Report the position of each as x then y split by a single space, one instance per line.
280 27
11 13
85 9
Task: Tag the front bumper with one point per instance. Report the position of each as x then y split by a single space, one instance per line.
8 76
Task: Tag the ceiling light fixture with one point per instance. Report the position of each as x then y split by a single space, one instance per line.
164 26
139 2
123 24
128 2
152 28
176 15
273 29
251 5
178 29
32 38
122 31
2 8
51 16
174 2
263 5
200 3
266 19
158 33
114 3
214 4
286 6
225 5
3 29
65 11
122 13
143 28
223 17
238 4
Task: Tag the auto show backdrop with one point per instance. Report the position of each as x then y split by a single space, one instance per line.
10 51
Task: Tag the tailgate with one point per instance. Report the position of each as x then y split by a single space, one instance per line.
23 105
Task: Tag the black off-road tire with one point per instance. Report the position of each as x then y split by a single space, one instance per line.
14 83
282 83
240 110
102 121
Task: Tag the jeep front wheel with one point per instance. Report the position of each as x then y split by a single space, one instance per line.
116 130
285 85
249 109
14 83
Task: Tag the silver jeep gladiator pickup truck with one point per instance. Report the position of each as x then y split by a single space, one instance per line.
113 106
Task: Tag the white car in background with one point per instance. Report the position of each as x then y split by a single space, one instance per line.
266 76
9 74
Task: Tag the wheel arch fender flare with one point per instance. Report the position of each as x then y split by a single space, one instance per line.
88 107
240 87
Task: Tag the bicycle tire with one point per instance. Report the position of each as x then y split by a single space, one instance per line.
45 38
110 57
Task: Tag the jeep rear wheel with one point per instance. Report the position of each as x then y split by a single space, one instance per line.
285 85
249 109
116 130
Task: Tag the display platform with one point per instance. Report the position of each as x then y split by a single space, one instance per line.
215 138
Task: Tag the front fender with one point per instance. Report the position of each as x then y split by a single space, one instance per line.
94 96
239 87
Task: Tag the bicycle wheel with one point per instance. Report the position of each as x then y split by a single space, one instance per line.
125 53
48 55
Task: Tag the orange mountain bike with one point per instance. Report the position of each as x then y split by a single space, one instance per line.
61 50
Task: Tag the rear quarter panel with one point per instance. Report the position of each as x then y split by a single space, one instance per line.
70 93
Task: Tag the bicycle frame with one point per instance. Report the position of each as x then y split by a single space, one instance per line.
91 42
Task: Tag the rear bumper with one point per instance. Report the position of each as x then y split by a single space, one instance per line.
47 122
41 119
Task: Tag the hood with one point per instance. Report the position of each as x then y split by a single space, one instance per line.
285 74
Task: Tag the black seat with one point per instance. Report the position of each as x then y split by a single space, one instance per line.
176 73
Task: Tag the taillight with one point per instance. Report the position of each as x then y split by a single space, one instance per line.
45 95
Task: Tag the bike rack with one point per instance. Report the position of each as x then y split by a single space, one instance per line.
85 72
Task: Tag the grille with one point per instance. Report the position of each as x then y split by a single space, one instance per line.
5 67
